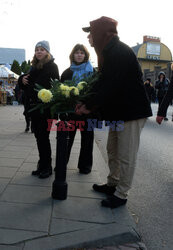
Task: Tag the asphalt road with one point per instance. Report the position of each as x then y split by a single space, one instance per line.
151 197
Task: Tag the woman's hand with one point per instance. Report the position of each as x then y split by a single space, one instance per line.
25 80
159 119
81 109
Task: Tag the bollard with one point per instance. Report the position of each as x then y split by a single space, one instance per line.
60 186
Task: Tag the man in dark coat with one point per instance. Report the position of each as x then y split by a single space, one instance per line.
149 89
161 114
121 96
162 86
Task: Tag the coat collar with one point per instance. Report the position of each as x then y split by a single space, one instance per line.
112 42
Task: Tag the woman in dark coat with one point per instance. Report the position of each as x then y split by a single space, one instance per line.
42 71
79 69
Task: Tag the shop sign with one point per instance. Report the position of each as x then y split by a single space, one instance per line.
152 57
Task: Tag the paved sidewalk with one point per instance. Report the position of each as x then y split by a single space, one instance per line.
31 219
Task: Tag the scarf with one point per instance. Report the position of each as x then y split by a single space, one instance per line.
81 71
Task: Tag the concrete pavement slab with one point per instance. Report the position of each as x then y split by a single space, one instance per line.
74 175
25 137
30 217
111 234
20 149
12 154
6 135
83 189
73 162
7 172
4 142
34 151
122 212
9 236
9 162
59 226
32 158
72 165
82 209
25 178
3 183
25 143
27 194
16 247
27 167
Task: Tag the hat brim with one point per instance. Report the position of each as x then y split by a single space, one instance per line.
86 29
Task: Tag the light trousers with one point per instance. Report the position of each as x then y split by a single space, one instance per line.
122 149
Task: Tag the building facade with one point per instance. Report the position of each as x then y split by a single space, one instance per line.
8 55
153 57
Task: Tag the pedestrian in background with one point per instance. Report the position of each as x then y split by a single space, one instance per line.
149 89
79 69
121 95
162 110
162 86
43 69
24 98
26 113
17 92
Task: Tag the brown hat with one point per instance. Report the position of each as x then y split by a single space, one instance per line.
86 29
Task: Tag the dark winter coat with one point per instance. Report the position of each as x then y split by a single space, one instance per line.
162 87
40 76
67 75
166 100
120 92
150 91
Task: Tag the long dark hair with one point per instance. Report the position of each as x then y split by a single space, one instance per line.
82 48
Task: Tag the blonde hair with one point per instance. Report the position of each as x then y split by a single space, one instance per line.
39 63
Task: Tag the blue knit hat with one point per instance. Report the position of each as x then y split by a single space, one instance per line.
44 44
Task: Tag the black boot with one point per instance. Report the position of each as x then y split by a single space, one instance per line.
32 128
38 171
45 173
84 170
27 124
104 188
113 202
26 129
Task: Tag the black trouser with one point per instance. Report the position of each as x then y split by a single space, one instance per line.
40 126
86 151
160 99
26 113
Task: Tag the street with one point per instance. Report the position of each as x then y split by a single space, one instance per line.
150 199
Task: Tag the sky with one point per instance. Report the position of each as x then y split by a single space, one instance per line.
23 23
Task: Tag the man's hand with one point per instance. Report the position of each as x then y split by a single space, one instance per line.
159 119
81 109
25 80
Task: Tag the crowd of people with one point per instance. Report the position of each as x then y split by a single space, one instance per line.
10 93
120 94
